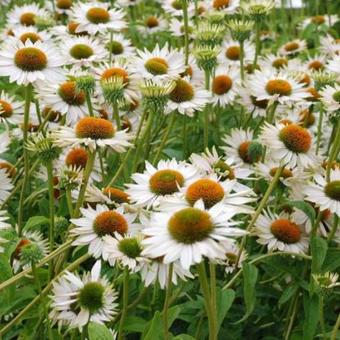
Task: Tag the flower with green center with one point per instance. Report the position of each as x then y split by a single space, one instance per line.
130 247
76 301
91 297
332 190
115 47
336 96
188 234
157 66
325 194
81 51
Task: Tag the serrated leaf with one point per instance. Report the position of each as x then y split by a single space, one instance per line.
99 332
35 222
319 250
225 299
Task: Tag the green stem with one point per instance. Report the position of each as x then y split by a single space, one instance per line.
335 328
292 317
89 103
318 140
184 136
120 169
165 138
69 201
257 42
258 211
334 228
49 168
242 59
141 142
110 48
262 257
37 282
334 151
125 302
212 268
116 115
322 317
186 31
28 98
206 113
87 173
166 302
45 260
202 275
271 112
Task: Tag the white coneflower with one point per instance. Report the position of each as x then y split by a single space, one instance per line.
211 190
62 96
28 62
125 250
189 234
160 63
325 195
280 232
77 301
94 133
82 51
225 85
293 47
96 223
281 87
187 97
11 110
330 97
25 15
225 167
94 17
163 180
240 145
291 144
156 271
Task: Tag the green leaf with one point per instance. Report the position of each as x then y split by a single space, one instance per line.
250 273
98 331
183 337
287 294
332 260
311 308
134 324
225 299
35 222
319 251
303 206
154 330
